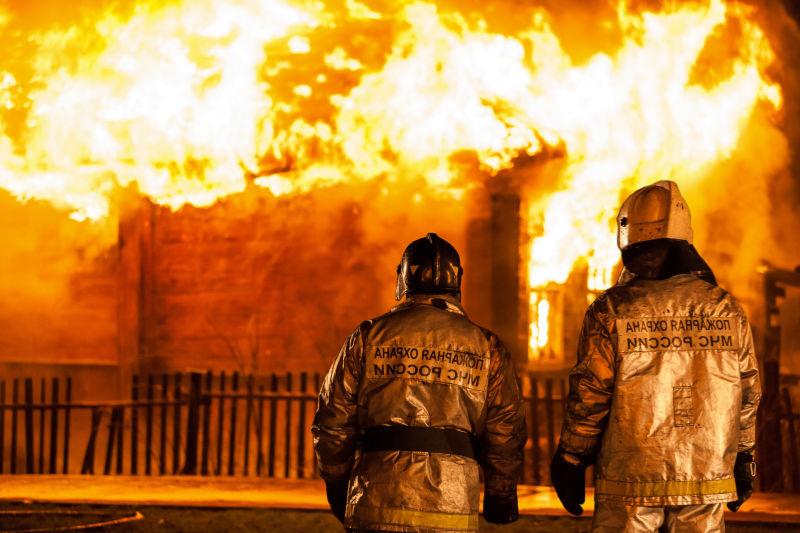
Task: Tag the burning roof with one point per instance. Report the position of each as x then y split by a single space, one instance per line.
189 100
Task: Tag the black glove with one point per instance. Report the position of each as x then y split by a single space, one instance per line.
337 497
500 509
744 473
568 474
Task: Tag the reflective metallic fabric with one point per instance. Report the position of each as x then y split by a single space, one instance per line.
422 364
666 390
616 517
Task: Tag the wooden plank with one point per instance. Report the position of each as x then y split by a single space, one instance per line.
29 459
527 452
176 424
41 409
259 432
550 418
193 424
273 414
67 422
162 459
112 434
287 449
247 418
148 438
2 422
220 423
120 428
206 423
14 404
54 393
232 437
88 456
537 450
135 425
793 465
317 384
301 431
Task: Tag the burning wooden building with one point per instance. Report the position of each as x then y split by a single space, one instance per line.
228 185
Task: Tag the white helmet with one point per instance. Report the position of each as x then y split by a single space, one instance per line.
657 211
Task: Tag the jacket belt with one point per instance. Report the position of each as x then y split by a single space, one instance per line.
419 439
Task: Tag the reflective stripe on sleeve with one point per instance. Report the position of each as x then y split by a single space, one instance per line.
410 517
665 488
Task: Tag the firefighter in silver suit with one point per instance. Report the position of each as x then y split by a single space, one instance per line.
415 404
664 395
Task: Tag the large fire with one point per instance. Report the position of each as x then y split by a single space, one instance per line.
192 100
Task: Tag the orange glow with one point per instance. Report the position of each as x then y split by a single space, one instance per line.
171 99
188 100
634 118
637 117
195 100
540 322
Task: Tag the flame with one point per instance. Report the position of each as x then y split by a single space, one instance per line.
173 100
637 117
539 336
191 99
633 118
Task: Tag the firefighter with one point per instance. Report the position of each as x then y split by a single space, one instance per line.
664 395
417 401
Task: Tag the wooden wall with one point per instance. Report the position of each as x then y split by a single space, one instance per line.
263 284
255 283
57 287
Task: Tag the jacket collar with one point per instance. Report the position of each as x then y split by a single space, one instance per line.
446 302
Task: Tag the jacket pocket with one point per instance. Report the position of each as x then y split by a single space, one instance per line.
682 406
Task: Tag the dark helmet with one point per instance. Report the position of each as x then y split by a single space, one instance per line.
429 266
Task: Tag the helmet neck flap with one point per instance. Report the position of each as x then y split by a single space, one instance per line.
681 258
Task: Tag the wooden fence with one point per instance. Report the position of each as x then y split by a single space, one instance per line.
242 425
28 408
203 424
545 402
790 445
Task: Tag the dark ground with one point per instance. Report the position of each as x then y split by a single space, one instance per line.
207 520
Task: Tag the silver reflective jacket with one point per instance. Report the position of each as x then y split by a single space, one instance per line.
422 364
667 388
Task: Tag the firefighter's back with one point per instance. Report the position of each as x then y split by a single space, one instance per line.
674 425
426 366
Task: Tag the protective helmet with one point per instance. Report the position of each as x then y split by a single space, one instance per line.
657 211
429 266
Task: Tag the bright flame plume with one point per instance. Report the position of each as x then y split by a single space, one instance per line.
638 117
190 99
